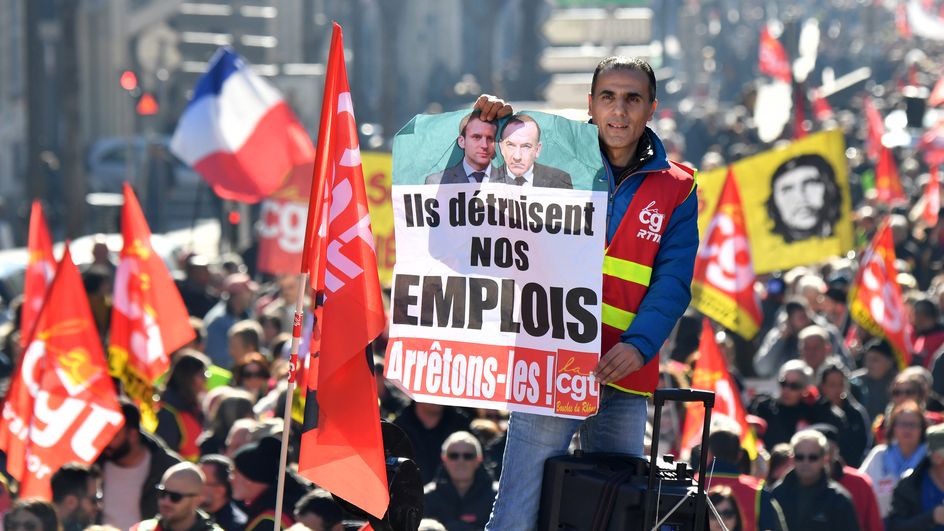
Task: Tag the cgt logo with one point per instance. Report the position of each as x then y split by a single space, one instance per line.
577 389
653 219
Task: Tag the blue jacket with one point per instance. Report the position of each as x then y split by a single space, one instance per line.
670 288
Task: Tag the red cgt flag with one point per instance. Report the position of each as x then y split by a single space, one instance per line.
875 300
342 448
61 406
772 58
932 199
873 144
887 181
723 283
711 373
39 271
148 319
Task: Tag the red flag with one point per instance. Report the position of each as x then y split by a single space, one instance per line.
901 20
937 93
772 58
711 373
875 297
932 199
39 271
61 406
282 224
821 109
148 319
887 182
342 448
723 283
873 144
932 144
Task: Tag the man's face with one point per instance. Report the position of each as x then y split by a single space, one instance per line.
478 143
877 364
243 488
214 493
799 195
88 506
461 461
188 496
792 389
833 386
809 461
520 147
620 107
798 320
813 350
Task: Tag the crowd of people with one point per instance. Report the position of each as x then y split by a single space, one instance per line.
846 438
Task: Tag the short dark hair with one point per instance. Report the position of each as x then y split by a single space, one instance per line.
131 413
320 502
222 466
725 445
249 332
620 62
830 367
474 115
925 307
71 480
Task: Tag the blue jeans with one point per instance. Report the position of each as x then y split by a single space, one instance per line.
619 427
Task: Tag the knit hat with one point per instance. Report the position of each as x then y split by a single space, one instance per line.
259 461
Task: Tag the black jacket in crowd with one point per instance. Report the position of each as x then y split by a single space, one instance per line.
460 513
825 505
906 513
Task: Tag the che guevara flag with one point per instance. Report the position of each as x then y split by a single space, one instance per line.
148 318
61 406
711 373
723 283
342 448
39 271
875 300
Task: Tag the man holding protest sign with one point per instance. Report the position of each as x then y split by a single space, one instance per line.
652 238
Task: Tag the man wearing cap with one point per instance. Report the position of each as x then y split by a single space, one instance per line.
858 484
254 482
236 305
180 494
918 499
809 499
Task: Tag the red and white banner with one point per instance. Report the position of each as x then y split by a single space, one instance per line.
61 406
875 300
281 226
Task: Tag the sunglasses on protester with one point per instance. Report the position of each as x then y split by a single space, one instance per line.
465 456
905 391
807 457
254 374
174 496
795 386
13 525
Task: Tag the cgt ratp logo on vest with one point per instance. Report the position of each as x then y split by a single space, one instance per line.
653 220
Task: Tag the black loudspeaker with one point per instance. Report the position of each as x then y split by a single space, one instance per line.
616 492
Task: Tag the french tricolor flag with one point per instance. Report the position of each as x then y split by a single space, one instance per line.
238 133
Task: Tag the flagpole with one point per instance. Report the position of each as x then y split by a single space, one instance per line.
290 390
316 205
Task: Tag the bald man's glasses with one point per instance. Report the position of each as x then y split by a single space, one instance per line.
174 497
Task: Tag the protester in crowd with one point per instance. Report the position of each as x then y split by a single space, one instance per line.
906 447
31 514
76 495
235 404
132 465
218 493
318 511
856 483
252 375
622 100
195 288
234 306
392 400
918 498
781 344
239 434
728 510
461 494
428 426
758 510
809 498
180 494
244 338
798 403
910 384
254 482
815 348
871 384
179 414
855 437
928 330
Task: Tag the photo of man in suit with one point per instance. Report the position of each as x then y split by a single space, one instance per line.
477 141
520 146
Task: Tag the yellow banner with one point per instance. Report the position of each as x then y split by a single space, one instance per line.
378 168
796 201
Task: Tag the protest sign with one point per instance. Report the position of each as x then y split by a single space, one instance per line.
496 294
